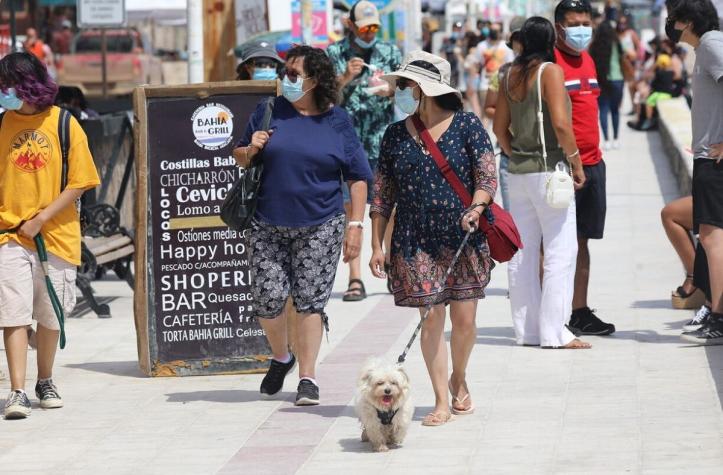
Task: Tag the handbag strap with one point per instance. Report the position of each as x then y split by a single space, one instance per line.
540 117
441 162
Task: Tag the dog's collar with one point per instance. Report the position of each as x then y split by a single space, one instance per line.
386 416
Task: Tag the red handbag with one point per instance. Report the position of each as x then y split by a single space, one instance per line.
503 238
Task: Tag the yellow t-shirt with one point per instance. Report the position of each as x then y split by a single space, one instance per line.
30 174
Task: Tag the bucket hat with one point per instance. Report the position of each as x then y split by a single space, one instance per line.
431 72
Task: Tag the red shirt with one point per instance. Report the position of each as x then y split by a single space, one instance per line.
581 84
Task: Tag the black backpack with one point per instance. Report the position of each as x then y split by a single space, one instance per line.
64 136
240 204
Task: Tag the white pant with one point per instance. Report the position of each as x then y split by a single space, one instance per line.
539 314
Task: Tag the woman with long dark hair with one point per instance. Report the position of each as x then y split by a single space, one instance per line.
36 197
539 312
299 227
607 52
431 221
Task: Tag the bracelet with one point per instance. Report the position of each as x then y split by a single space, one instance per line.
575 153
355 224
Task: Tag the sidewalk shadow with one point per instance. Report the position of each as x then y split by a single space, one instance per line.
331 411
495 336
115 368
355 445
221 395
82 308
715 362
663 304
644 336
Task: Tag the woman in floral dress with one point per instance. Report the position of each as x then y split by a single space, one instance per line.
431 221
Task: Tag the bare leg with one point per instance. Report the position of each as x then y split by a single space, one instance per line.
677 218
464 335
582 274
291 318
16 349
47 345
354 264
308 339
711 237
277 335
434 350
388 237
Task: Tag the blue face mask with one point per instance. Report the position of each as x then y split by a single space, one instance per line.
10 101
578 37
485 31
264 74
293 91
365 44
404 98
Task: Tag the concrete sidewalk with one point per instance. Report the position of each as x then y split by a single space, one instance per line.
640 401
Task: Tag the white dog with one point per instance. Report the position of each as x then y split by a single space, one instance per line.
383 404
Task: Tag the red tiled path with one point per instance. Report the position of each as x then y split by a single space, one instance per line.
287 438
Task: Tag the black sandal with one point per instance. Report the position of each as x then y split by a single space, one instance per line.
683 300
387 268
355 294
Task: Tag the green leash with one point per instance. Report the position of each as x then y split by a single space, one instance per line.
54 300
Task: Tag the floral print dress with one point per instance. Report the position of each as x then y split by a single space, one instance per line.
427 230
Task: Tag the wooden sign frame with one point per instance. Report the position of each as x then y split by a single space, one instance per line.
144 313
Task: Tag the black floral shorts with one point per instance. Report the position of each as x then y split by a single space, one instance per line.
300 262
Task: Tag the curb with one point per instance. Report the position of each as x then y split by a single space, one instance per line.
676 133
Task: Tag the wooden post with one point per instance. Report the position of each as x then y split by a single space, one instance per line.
219 37
104 61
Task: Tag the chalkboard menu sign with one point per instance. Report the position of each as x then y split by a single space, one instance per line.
192 298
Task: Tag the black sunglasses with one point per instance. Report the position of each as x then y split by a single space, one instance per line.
403 83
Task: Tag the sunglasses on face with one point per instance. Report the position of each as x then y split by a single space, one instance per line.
369 29
264 63
293 75
404 83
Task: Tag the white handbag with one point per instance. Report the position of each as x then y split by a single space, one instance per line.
559 188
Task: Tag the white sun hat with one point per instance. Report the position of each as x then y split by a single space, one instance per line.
431 72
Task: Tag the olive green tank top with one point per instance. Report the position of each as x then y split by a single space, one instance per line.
526 146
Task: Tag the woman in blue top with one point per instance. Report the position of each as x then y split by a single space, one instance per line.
299 226
431 220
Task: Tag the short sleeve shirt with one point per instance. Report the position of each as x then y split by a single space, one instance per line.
707 110
583 89
304 162
30 178
371 114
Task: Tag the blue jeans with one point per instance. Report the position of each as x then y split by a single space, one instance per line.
609 103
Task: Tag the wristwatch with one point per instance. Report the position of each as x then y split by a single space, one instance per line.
355 224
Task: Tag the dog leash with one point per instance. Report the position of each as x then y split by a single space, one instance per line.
54 300
403 356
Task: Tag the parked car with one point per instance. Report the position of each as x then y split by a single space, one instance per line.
130 63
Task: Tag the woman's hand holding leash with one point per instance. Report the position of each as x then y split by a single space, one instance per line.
377 264
30 228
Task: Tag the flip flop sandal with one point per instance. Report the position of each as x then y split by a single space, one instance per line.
458 401
355 294
575 344
434 419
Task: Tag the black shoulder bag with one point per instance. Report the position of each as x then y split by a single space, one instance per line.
240 204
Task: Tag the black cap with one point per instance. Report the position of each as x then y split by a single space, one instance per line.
262 49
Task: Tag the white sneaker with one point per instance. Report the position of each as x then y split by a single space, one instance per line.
701 318
616 144
17 405
606 145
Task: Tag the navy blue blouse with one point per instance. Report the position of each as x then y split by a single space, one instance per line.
304 161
